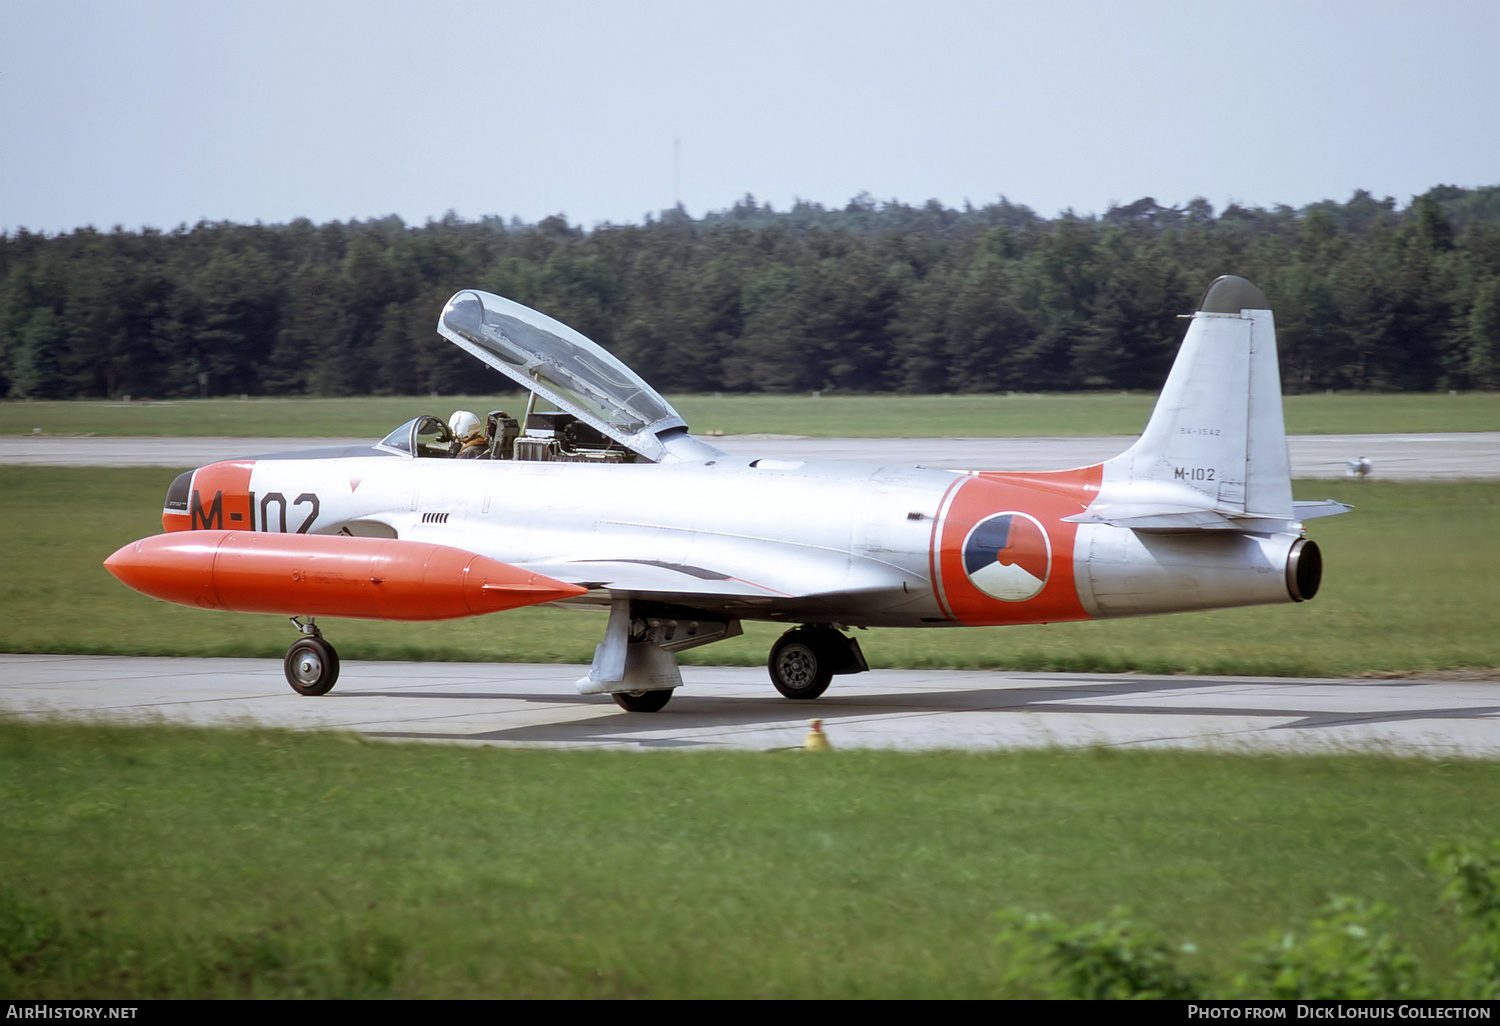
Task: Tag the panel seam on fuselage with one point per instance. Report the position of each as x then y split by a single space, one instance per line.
934 556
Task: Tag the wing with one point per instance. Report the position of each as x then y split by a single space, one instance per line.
791 584
653 577
726 573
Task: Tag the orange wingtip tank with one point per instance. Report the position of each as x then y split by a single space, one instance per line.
326 575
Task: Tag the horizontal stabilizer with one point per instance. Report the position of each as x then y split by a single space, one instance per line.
1311 509
1144 517
1169 517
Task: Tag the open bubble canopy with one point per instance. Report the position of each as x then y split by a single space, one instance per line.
563 367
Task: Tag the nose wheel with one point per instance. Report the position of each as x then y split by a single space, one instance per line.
312 666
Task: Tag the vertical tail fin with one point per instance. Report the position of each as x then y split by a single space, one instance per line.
1214 452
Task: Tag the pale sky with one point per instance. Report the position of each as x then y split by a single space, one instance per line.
165 112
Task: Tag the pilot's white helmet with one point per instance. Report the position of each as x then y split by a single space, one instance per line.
465 426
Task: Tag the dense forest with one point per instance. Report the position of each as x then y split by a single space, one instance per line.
873 297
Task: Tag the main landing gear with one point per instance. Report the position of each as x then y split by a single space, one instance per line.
805 659
642 701
312 666
802 664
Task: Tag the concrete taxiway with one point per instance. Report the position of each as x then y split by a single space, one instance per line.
1473 454
734 708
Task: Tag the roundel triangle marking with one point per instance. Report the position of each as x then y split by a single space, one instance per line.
1008 556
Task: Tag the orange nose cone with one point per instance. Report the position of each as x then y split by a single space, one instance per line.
322 575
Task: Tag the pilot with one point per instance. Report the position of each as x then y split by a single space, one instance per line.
467 433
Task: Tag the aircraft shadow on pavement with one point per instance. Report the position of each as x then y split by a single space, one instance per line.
720 716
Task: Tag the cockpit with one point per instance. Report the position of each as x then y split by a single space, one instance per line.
548 435
604 412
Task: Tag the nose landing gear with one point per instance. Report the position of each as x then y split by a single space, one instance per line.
311 664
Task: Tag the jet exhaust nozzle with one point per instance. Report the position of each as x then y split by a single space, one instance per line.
1304 569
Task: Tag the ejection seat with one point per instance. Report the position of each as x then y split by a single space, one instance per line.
501 429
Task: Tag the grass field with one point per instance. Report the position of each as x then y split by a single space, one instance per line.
1410 586
828 416
159 862
154 862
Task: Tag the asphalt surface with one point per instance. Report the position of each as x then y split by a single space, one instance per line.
1402 457
724 708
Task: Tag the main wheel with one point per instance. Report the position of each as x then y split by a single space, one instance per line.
642 701
312 667
800 664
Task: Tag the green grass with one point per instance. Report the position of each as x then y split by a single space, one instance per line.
829 416
1410 586
161 862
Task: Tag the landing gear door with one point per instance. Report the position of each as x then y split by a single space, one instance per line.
565 368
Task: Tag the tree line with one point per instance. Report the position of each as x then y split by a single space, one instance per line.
873 297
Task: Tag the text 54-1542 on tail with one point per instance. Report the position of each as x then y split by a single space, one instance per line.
594 493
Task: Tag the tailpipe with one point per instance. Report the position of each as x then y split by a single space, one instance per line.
1304 569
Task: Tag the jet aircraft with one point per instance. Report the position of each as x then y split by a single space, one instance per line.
608 501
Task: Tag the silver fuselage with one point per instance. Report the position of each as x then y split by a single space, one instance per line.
819 542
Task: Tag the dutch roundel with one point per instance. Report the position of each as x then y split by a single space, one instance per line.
1008 556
